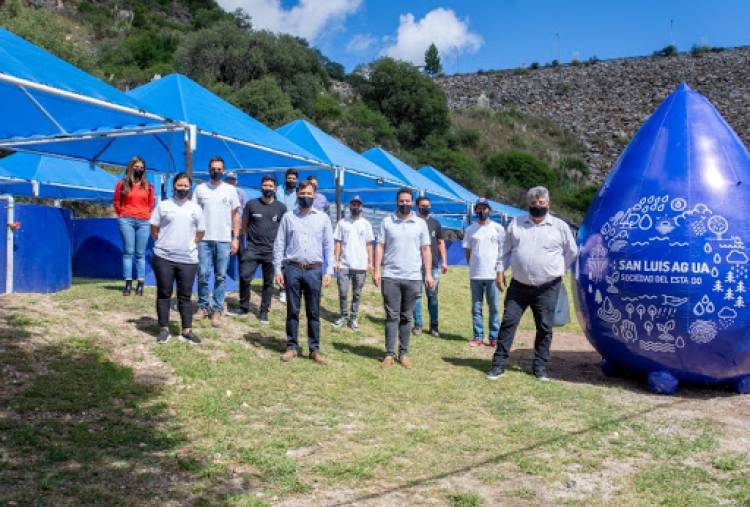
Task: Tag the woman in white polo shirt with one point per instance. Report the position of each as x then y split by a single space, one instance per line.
177 225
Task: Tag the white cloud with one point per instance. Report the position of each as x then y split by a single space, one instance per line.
360 43
439 26
306 19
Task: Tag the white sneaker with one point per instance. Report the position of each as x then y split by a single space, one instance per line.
282 297
354 324
339 322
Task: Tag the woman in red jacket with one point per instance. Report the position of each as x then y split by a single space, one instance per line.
133 202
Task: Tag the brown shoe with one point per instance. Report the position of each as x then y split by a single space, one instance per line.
201 314
317 357
289 355
405 361
416 330
216 319
387 362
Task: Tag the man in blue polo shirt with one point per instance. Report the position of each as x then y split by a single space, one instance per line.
403 249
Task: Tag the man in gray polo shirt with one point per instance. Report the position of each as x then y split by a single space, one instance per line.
539 248
403 248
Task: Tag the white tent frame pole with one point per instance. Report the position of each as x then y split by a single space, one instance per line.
9 239
7 78
61 138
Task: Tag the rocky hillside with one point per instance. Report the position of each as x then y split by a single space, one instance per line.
604 102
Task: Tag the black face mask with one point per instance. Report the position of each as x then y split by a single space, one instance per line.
215 175
305 202
268 192
425 210
404 209
138 173
355 211
538 211
181 193
291 185
483 215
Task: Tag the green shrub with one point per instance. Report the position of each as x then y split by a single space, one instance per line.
578 198
667 51
520 168
264 100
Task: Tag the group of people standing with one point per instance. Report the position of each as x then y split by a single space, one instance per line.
287 233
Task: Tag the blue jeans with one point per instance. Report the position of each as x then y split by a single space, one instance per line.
213 257
134 232
479 290
432 303
299 282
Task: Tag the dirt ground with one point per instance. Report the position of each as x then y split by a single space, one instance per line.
573 361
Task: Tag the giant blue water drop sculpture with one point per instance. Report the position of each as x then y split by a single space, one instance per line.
662 279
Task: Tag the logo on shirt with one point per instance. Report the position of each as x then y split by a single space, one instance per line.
226 201
433 234
275 218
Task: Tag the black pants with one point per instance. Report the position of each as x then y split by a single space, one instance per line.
248 266
542 301
166 273
300 282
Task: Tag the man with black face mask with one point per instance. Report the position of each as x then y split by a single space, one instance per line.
221 211
353 252
439 265
260 222
483 241
404 258
302 251
287 193
538 248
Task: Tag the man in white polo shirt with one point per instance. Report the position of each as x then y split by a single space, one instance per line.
482 243
221 211
353 253
403 249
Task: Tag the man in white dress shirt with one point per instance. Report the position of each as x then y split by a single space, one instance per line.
539 248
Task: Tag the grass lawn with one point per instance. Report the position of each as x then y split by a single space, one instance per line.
92 411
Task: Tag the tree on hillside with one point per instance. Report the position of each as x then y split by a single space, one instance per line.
411 101
432 64
264 100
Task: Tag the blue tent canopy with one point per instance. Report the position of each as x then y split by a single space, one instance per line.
59 109
32 175
442 200
222 129
361 177
465 194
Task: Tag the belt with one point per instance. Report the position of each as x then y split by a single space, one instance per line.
306 265
542 286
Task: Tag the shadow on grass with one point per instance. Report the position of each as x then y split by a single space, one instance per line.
452 337
267 342
366 351
378 321
79 429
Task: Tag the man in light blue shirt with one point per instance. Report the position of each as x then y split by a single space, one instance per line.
403 249
303 246
287 193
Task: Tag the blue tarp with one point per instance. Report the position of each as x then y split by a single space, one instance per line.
362 177
50 100
442 200
56 178
223 130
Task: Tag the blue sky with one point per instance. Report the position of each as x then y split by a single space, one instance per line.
500 34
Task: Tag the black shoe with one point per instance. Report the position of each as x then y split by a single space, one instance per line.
239 312
139 288
263 318
495 373
541 376
163 336
128 287
190 338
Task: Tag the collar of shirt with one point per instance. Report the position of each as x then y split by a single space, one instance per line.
529 221
298 212
411 218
